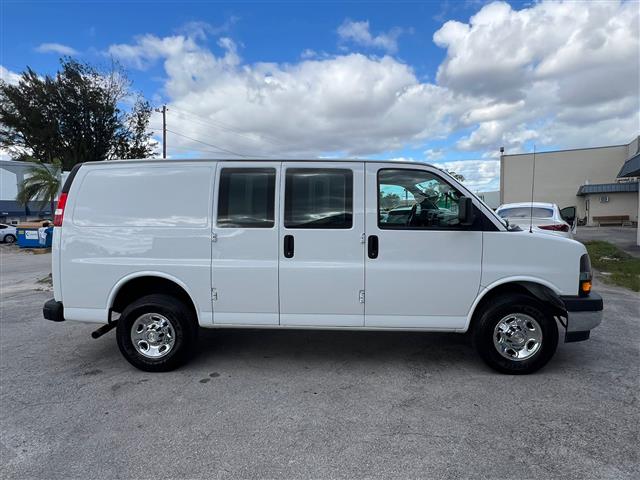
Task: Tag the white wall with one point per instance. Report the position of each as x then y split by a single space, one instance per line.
619 204
490 198
8 185
559 174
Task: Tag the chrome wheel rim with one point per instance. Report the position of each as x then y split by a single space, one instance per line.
153 335
517 337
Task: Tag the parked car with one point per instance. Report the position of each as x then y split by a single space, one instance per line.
286 244
545 216
7 233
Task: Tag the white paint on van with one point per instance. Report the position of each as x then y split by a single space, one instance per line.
129 218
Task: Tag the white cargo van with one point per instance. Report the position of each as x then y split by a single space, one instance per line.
160 248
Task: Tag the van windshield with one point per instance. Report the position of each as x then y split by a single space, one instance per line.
525 212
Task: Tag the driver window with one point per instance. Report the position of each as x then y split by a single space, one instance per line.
416 199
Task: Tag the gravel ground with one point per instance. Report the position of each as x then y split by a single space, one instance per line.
294 404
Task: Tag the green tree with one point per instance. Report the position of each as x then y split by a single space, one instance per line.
75 116
457 176
42 183
389 200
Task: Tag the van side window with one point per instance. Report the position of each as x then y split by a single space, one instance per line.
416 199
318 198
246 198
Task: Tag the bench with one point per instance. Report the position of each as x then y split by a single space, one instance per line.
611 220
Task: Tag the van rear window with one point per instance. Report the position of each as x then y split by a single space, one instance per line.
246 198
144 196
318 198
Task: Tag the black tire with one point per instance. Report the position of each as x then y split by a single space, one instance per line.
496 310
9 238
185 328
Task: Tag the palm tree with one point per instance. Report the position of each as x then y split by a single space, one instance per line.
42 183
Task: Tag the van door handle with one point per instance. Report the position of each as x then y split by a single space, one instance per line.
372 248
288 246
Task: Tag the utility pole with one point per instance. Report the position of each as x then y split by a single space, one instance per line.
163 110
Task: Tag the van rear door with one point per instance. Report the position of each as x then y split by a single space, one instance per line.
244 260
321 245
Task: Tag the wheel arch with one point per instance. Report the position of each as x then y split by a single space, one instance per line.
545 292
138 284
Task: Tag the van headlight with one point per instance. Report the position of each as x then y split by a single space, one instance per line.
584 288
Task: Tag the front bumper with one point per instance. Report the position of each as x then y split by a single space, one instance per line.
583 315
53 311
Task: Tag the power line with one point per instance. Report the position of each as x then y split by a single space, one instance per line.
198 149
218 149
208 144
217 124
164 109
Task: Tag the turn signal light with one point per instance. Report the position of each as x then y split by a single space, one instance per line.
585 287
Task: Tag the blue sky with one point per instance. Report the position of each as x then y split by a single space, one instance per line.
444 82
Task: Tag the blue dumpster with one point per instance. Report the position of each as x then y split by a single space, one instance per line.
28 237
46 237
34 235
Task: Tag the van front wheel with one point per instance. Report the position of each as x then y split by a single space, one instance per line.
157 333
515 335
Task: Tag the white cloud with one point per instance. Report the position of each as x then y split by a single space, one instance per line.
504 82
433 154
479 175
12 78
560 73
308 53
358 33
56 48
353 104
149 48
199 29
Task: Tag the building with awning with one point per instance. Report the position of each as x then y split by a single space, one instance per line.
631 169
601 182
610 203
12 174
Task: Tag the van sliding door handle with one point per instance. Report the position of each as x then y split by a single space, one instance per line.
288 246
372 247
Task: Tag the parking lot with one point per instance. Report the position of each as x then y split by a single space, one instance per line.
296 404
624 238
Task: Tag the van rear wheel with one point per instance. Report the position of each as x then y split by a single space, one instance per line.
515 335
157 333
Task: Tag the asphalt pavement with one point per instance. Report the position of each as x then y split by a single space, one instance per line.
301 404
624 238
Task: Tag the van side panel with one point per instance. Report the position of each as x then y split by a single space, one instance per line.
544 257
132 220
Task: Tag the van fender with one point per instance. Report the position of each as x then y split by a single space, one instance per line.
149 273
503 281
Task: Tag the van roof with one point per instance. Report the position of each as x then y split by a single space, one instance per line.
275 159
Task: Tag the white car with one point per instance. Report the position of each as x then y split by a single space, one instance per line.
306 245
7 233
545 216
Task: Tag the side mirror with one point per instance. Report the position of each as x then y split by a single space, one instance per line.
465 211
568 214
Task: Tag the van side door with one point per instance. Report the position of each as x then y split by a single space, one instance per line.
321 244
423 267
244 253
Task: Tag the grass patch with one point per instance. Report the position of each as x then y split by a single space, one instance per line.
614 265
